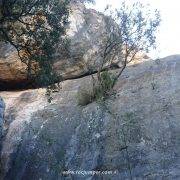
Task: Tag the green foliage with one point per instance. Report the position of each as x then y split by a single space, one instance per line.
99 92
104 86
137 27
35 28
138 24
52 89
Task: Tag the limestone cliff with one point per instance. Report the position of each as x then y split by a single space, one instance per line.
134 133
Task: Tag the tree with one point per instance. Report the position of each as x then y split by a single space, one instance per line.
134 32
34 28
138 27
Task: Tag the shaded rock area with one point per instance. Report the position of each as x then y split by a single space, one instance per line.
87 33
12 71
2 109
134 134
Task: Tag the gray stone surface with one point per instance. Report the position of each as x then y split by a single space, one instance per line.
135 133
2 109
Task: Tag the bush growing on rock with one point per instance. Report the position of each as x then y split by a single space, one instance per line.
135 33
132 31
103 89
98 92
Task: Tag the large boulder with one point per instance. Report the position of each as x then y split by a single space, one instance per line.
133 135
2 108
87 32
12 70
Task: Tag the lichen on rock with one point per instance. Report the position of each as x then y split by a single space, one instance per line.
135 133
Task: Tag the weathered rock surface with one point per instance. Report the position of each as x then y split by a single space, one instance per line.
87 32
11 68
2 108
135 133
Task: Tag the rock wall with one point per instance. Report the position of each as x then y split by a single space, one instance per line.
2 109
134 134
87 32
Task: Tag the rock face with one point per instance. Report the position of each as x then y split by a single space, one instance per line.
2 108
11 68
133 135
87 31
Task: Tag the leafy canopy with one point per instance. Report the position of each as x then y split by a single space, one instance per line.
136 29
34 28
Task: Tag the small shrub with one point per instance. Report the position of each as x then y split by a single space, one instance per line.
99 92
105 85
